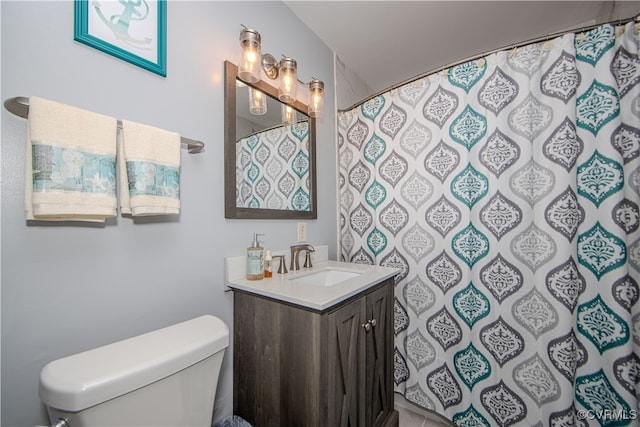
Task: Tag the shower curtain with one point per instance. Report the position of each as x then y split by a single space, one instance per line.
272 170
506 190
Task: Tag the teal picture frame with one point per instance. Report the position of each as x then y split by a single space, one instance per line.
132 31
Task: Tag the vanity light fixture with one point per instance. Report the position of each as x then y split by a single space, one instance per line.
248 69
251 59
316 98
288 89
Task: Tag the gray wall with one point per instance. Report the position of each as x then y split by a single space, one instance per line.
352 90
67 288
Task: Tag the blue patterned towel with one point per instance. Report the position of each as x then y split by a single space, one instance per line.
149 163
70 167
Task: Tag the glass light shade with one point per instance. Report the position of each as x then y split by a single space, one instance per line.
257 102
288 115
250 57
288 80
316 98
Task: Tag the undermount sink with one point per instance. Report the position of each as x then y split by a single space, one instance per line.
328 277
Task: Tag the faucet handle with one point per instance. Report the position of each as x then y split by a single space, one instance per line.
282 269
307 260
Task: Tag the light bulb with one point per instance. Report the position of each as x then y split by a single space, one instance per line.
288 80
316 98
249 69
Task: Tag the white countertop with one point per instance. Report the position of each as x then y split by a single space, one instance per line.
283 287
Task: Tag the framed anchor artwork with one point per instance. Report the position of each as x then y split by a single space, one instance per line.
132 30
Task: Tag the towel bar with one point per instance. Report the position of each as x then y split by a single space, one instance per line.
20 107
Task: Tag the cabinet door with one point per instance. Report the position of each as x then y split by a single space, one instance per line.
346 368
379 351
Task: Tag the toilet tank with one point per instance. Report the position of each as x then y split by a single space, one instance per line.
167 377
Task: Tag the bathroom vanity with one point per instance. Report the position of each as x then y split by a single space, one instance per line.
315 347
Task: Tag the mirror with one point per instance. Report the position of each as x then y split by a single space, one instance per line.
270 168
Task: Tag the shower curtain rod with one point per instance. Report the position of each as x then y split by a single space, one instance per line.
617 22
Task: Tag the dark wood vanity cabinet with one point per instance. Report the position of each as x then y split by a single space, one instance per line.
361 361
294 366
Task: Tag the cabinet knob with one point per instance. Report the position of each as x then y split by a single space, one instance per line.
373 322
367 326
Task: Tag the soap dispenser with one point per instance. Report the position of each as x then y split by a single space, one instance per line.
255 259
268 266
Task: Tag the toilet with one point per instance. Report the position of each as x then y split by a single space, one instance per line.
167 377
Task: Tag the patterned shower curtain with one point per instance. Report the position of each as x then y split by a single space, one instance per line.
506 189
272 169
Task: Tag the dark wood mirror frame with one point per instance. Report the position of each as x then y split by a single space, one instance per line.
230 209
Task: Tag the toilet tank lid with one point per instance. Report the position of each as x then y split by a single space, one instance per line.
85 379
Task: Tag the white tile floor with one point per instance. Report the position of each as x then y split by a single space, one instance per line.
413 416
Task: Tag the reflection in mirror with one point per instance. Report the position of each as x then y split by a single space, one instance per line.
269 165
272 168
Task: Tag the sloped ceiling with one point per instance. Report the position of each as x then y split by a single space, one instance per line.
389 42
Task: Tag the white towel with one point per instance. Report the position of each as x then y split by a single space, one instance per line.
70 169
149 164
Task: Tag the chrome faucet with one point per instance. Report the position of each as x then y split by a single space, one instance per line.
295 250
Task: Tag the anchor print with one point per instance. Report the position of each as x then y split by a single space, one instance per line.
133 10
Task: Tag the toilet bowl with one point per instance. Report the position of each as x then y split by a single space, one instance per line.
166 377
